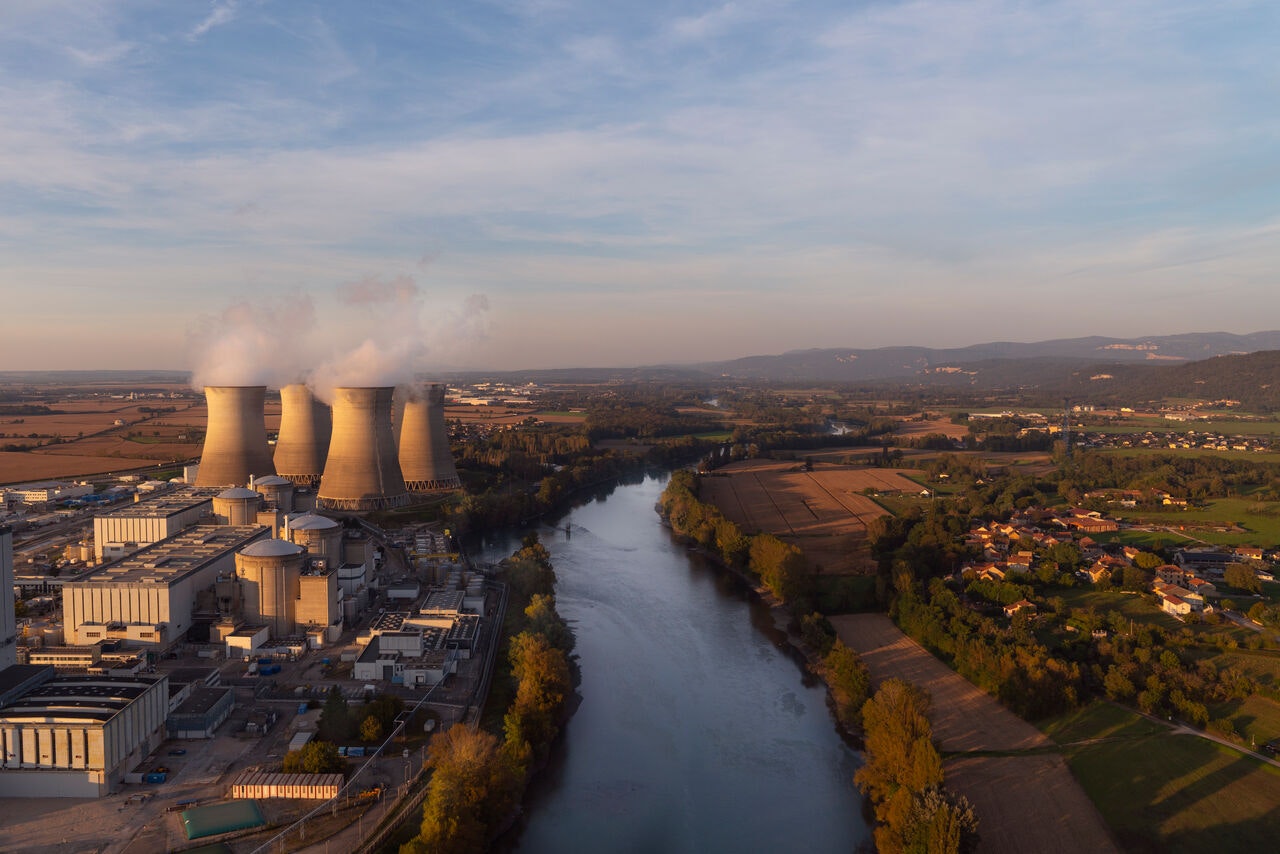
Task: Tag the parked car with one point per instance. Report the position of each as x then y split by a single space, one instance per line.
178 751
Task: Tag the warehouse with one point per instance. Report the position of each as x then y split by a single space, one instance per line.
76 736
265 784
120 531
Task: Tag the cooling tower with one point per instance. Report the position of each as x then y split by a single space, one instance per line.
362 472
235 443
425 458
305 427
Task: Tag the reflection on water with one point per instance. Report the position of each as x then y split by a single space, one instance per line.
696 732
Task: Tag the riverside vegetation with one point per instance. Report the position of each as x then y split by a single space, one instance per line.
478 776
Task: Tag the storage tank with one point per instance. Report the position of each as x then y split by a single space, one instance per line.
425 458
237 506
269 571
303 442
53 635
235 440
361 471
276 490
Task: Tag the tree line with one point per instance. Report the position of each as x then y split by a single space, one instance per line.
478 776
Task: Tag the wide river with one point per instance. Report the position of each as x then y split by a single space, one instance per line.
697 731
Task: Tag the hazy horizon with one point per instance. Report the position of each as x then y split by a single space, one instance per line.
249 187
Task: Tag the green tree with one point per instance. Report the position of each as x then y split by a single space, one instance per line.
473 787
315 757
1147 561
335 717
850 682
370 728
1242 577
546 621
942 824
902 762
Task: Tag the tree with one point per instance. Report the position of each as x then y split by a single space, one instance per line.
902 762
942 824
1147 561
335 717
850 682
1242 577
315 757
473 787
370 729
546 621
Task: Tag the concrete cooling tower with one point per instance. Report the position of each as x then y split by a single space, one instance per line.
235 441
305 428
425 458
362 472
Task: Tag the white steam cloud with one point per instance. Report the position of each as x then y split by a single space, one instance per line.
385 331
253 343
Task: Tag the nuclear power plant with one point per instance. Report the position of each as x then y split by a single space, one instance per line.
425 458
235 441
348 454
305 428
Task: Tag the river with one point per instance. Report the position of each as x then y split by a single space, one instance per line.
697 732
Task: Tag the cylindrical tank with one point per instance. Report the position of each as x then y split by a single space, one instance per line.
269 570
276 490
319 535
303 442
361 471
425 457
53 635
235 442
237 506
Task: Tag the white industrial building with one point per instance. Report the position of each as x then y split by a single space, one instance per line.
147 598
150 520
75 736
45 492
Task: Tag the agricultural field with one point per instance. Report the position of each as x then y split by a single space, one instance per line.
823 512
1259 521
1267 457
916 429
1226 428
1162 791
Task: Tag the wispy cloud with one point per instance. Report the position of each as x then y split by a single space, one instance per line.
223 12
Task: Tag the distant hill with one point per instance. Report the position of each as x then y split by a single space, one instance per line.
980 363
1252 379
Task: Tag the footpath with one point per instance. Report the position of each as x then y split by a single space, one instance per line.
1027 801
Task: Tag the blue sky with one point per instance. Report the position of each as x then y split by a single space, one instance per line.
547 183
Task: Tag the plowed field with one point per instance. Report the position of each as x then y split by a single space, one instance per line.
823 511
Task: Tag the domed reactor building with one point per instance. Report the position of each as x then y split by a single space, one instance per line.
425 458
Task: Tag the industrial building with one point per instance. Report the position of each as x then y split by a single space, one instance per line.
148 598
75 736
149 520
8 619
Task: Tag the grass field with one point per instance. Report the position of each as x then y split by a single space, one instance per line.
1169 793
1134 607
1227 428
1265 457
1260 528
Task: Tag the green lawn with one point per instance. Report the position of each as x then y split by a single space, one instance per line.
1170 793
1136 608
1260 519
1226 428
1266 457
1256 718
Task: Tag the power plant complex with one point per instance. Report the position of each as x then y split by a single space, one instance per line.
237 564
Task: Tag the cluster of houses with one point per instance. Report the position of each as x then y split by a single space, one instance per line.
1173 439
1010 549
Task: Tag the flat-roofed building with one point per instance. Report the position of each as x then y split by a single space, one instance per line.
147 598
125 529
77 736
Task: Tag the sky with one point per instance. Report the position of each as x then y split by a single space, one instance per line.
552 183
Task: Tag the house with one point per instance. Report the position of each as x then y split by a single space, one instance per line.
1020 605
1173 574
1175 605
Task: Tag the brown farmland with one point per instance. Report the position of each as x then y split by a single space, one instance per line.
823 512
1024 802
